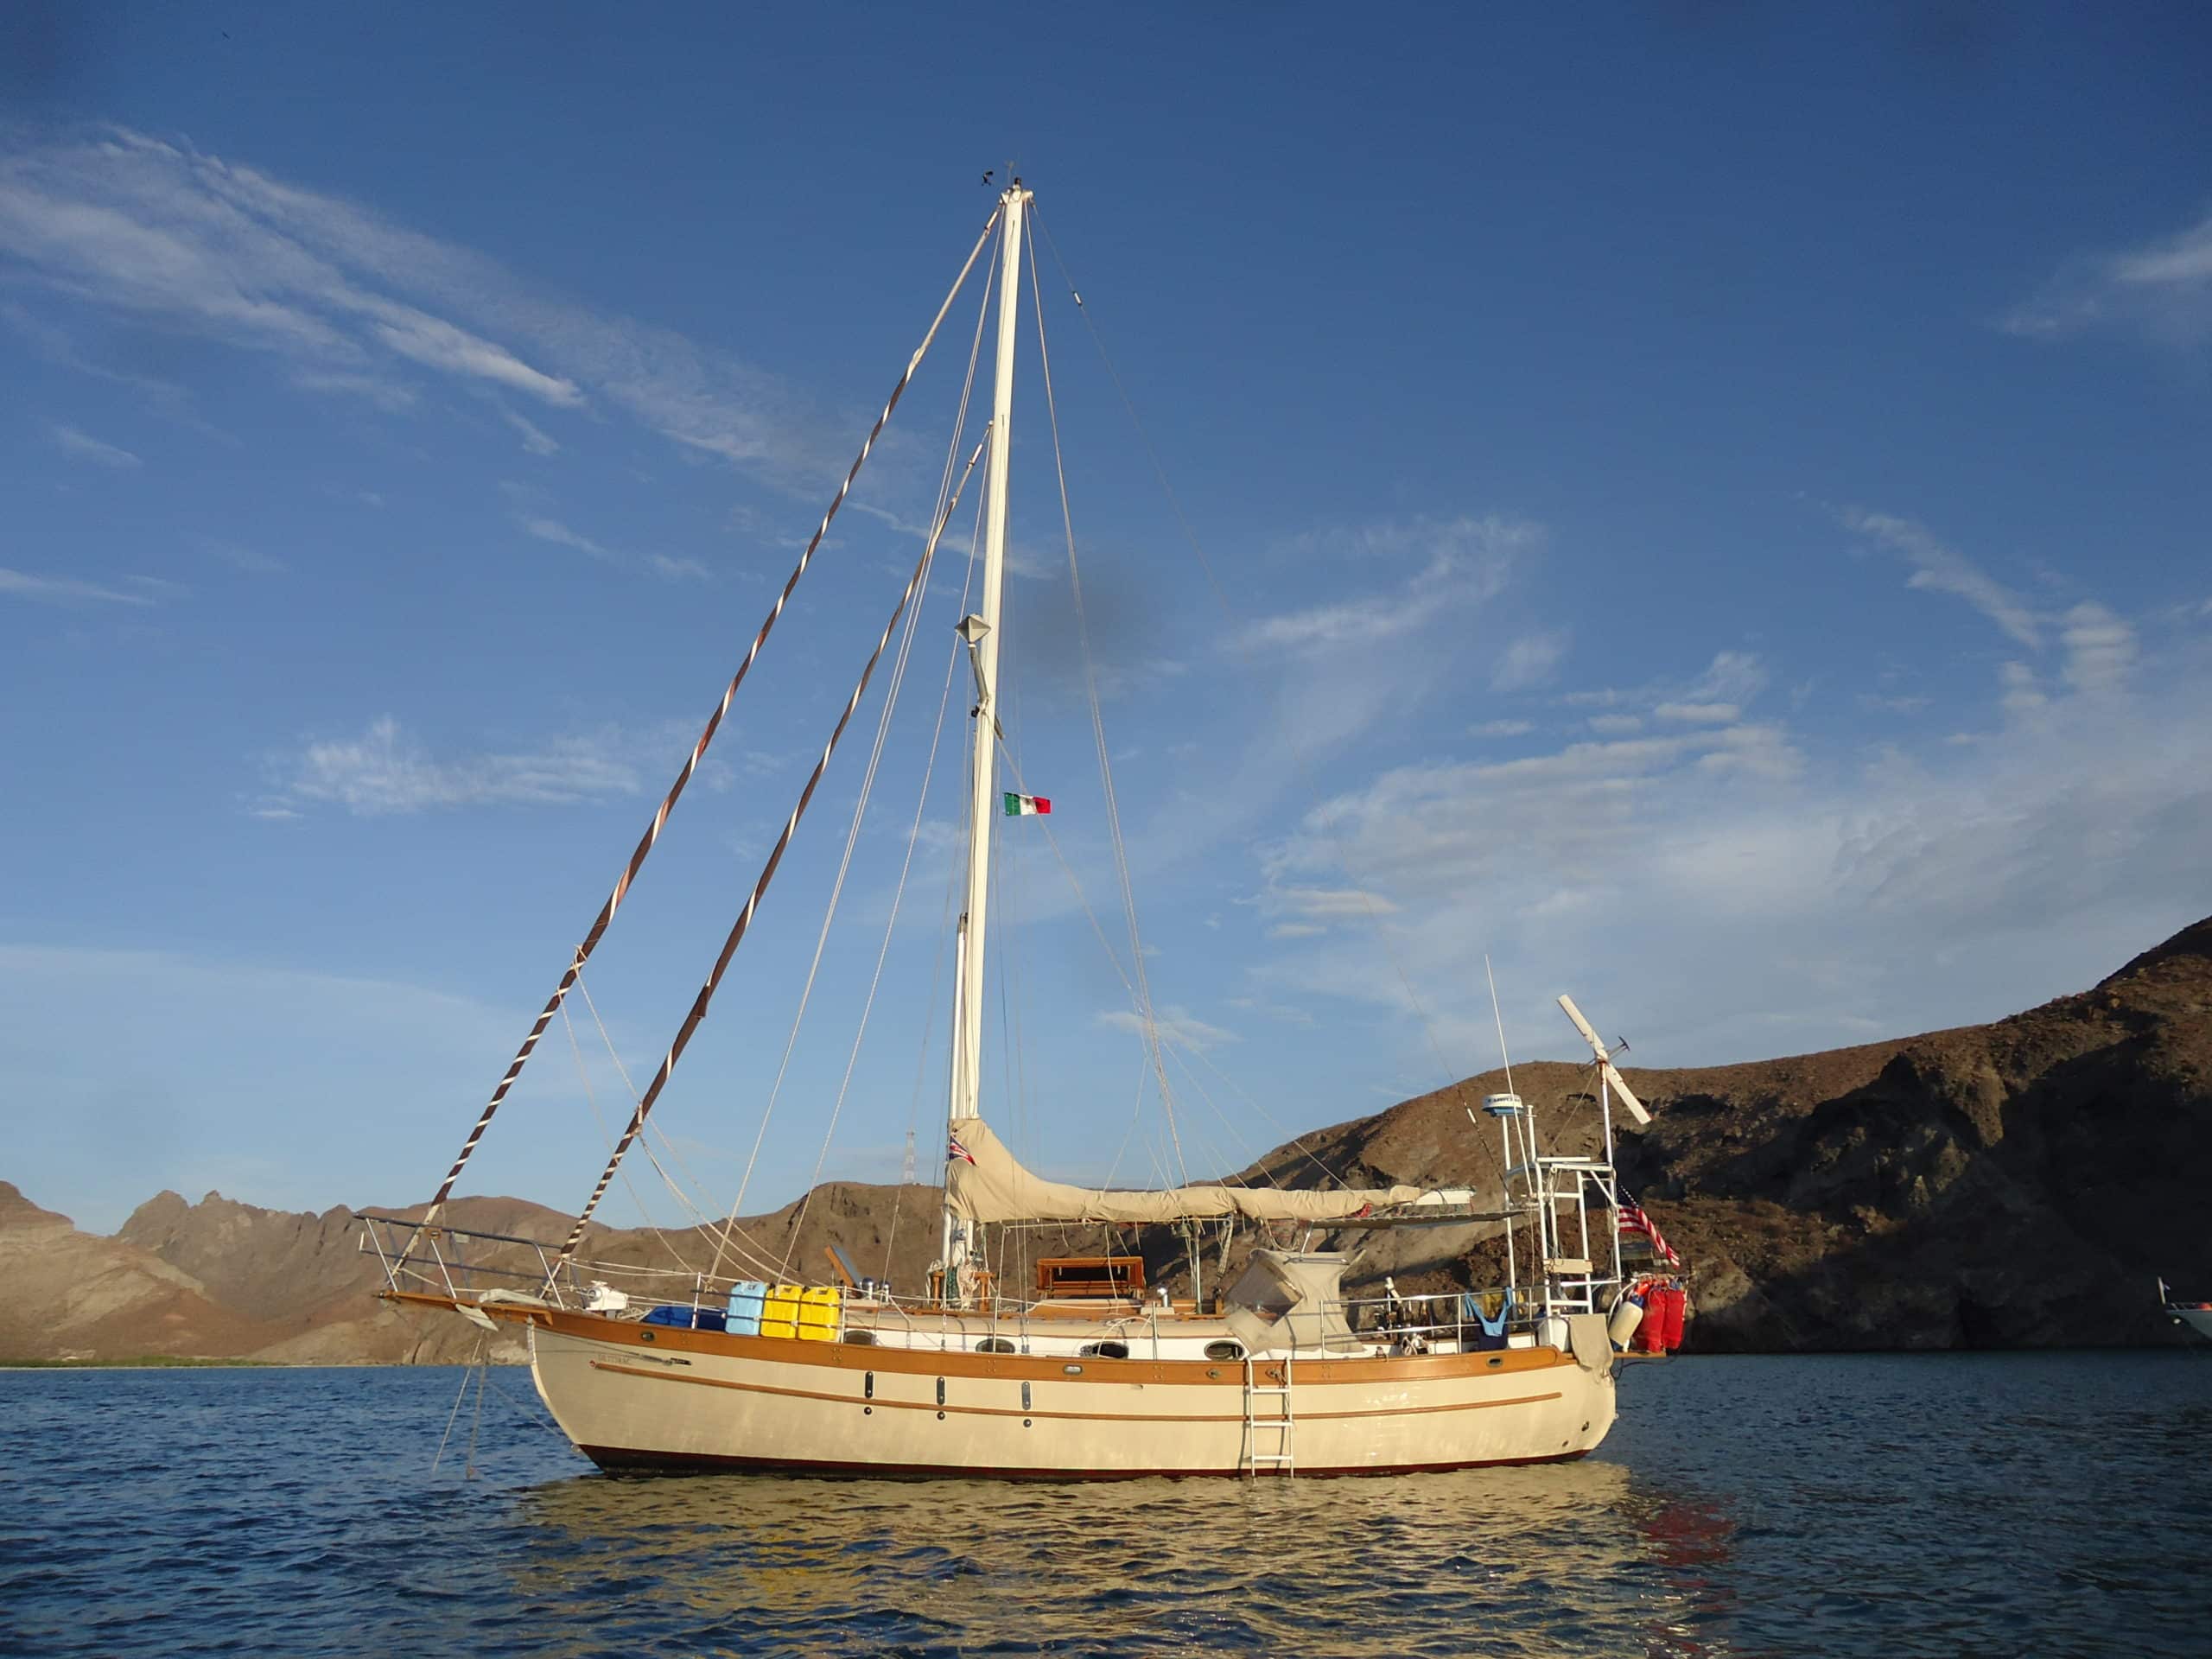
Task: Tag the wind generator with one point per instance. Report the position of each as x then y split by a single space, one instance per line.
1553 1191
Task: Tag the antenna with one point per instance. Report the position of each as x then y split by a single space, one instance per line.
1605 1068
1500 1019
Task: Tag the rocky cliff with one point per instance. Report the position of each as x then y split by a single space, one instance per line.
2014 1184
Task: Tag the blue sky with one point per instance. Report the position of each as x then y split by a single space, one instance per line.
1710 508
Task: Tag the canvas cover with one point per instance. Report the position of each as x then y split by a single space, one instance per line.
1286 1301
994 1187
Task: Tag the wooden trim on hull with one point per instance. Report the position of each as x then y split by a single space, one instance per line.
618 1461
1061 1416
847 1356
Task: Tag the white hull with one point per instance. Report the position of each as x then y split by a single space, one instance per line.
636 1397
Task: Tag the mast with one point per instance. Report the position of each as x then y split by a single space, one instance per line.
981 631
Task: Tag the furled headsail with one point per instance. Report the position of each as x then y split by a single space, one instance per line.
984 1182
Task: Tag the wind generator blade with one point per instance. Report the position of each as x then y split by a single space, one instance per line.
1628 1094
1596 1042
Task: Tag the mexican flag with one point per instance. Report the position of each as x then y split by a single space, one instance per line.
1023 807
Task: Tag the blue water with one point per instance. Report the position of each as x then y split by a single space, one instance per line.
1894 1505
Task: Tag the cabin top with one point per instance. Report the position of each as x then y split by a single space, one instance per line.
1091 1275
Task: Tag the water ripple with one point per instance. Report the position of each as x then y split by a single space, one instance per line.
1923 1505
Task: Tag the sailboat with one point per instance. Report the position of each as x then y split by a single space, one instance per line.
1087 1373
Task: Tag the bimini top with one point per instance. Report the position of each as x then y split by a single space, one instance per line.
984 1182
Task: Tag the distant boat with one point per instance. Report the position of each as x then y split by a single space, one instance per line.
1084 1373
2197 1316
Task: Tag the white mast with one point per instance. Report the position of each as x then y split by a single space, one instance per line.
981 631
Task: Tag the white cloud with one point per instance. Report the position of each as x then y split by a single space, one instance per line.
251 561
1460 562
385 773
2022 695
1177 1025
2162 289
1943 570
553 531
79 446
1615 725
1733 897
2099 649
534 437
1327 904
1530 660
1732 676
67 590
1503 728
164 234
1700 714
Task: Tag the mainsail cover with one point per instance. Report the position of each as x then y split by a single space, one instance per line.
989 1184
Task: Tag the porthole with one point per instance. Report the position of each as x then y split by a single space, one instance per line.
1104 1350
1073 1370
861 1339
1498 1360
993 1346
1224 1350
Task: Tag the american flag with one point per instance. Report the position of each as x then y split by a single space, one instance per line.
1633 1220
957 1154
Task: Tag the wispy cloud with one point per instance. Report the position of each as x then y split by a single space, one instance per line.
660 564
68 590
2099 649
1700 714
1503 728
1457 564
385 772
251 561
1943 570
1530 660
534 437
80 446
348 301
1177 1025
2162 288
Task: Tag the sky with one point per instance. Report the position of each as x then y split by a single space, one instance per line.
1704 507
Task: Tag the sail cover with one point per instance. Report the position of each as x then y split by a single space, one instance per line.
983 1183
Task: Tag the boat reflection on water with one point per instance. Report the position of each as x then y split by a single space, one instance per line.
1577 1557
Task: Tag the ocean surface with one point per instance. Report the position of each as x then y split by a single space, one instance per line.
1942 1504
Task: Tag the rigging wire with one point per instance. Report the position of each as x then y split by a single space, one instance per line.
744 922
951 886
646 843
591 1098
947 499
1098 731
1221 597
898 898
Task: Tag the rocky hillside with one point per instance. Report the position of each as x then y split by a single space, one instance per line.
2013 1184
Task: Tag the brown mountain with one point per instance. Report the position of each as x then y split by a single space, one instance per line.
2013 1184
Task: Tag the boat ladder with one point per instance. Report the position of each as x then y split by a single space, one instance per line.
1258 1421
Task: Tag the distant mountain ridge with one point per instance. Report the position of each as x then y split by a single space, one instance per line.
2017 1184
